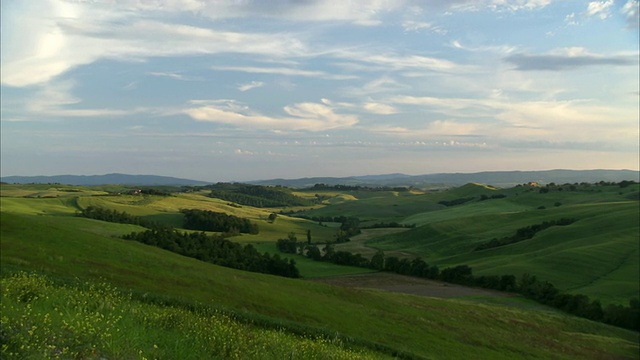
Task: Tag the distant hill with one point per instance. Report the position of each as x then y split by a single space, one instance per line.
88 180
495 178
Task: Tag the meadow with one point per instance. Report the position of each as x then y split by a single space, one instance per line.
598 255
63 257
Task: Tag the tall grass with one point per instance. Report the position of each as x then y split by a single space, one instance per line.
44 320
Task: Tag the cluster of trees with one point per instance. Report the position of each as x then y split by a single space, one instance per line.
256 195
626 183
524 233
205 220
217 250
583 186
496 196
121 217
455 202
357 188
349 227
151 191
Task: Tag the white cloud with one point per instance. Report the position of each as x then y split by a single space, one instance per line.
244 152
55 99
302 116
434 130
398 62
63 35
534 120
631 10
250 85
571 19
362 12
500 5
416 26
284 71
599 8
379 108
173 75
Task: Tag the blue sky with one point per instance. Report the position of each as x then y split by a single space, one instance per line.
245 90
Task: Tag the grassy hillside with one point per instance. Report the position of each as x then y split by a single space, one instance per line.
597 255
43 235
62 248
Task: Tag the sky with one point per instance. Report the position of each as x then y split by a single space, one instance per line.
248 89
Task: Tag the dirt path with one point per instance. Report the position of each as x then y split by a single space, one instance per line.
407 285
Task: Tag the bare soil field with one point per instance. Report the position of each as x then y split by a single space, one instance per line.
407 285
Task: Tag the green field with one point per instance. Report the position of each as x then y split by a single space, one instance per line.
598 255
42 235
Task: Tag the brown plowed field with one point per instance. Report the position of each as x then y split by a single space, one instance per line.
407 285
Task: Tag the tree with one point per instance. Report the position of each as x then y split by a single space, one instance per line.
328 253
313 253
308 236
377 260
272 217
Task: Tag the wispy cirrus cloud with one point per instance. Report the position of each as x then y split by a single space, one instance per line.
417 26
174 75
250 85
396 62
286 71
301 116
74 34
379 108
567 59
545 120
55 100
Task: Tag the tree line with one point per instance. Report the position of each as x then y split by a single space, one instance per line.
256 195
528 285
121 217
214 249
455 202
524 233
322 186
217 250
205 220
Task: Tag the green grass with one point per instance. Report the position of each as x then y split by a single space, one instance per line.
167 210
41 319
425 327
597 255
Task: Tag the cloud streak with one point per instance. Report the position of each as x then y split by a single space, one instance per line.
569 59
73 35
250 86
301 116
284 71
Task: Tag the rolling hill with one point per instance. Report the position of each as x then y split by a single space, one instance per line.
42 235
